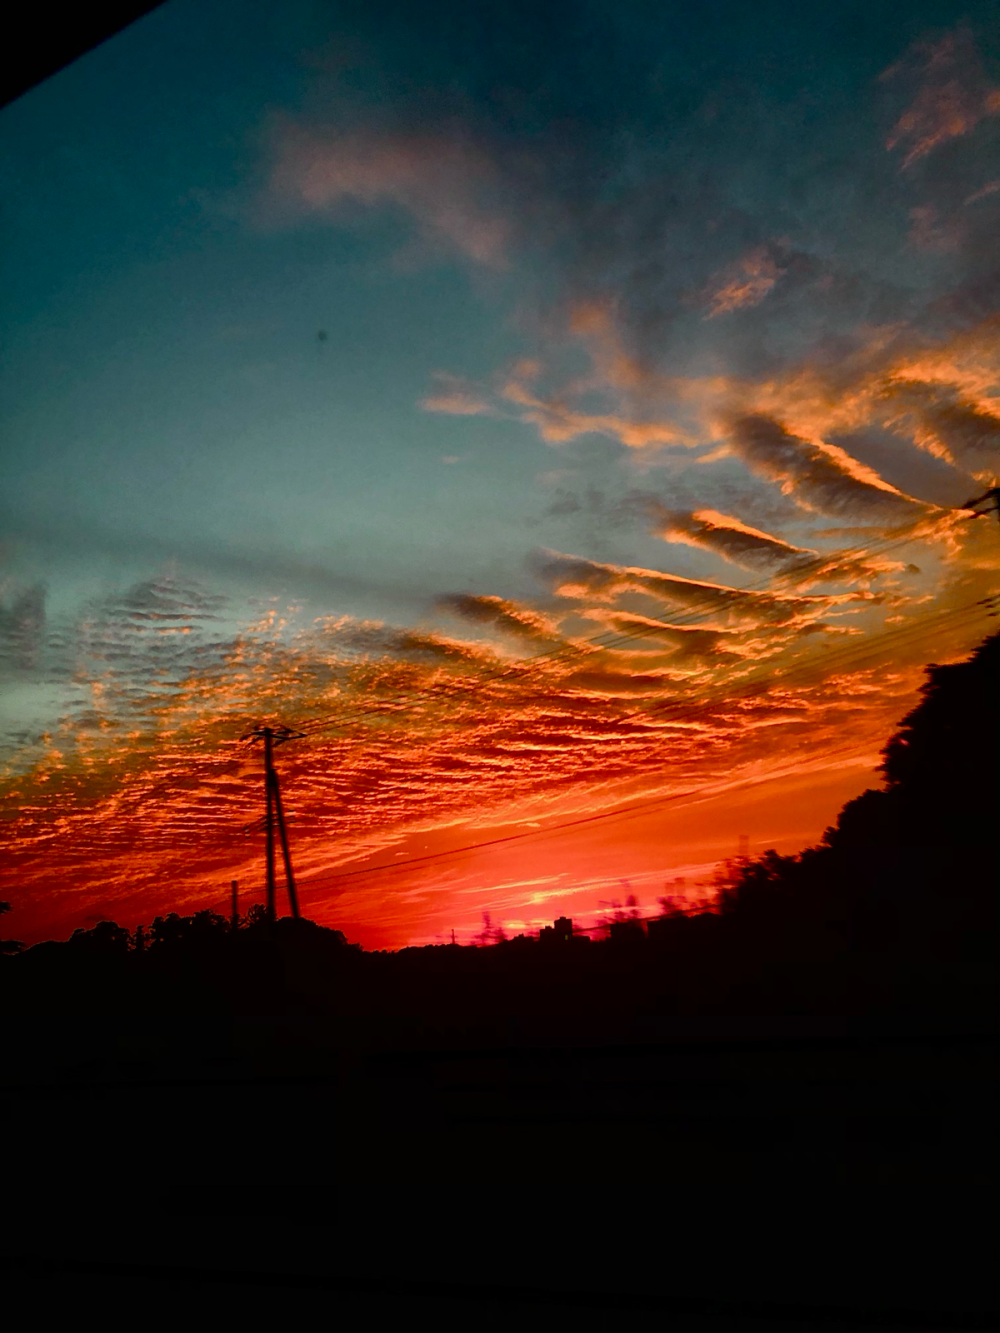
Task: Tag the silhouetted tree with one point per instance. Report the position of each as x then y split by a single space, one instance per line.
257 918
9 946
199 931
107 937
676 902
909 870
489 934
623 923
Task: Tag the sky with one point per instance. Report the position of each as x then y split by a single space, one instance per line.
558 412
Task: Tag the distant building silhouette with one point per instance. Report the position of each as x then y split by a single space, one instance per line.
560 932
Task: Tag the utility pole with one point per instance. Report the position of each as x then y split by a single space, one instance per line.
272 911
234 915
275 815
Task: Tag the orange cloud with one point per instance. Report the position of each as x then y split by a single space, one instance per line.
743 284
920 390
819 476
504 615
447 184
952 96
960 430
687 641
581 579
557 422
456 397
725 536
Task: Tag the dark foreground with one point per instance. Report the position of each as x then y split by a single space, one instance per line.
255 1173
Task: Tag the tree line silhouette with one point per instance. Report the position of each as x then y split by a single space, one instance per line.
893 911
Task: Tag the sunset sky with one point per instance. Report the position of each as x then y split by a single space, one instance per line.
557 411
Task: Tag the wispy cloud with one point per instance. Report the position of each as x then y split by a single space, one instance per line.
22 627
950 426
506 616
686 641
951 94
725 536
558 421
455 396
818 476
446 183
794 566
592 580
742 284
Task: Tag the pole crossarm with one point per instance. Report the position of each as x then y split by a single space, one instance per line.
278 733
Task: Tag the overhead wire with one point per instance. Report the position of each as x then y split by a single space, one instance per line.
609 638
839 659
695 793
614 638
683 711
702 790
767 679
850 655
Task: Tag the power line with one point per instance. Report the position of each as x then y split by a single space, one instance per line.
868 649
695 792
605 815
765 679
850 656
612 639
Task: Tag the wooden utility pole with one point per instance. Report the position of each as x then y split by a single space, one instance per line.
234 915
286 855
275 815
272 906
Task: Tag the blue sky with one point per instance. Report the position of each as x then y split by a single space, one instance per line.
167 393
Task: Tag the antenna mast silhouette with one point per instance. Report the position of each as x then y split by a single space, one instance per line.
272 736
